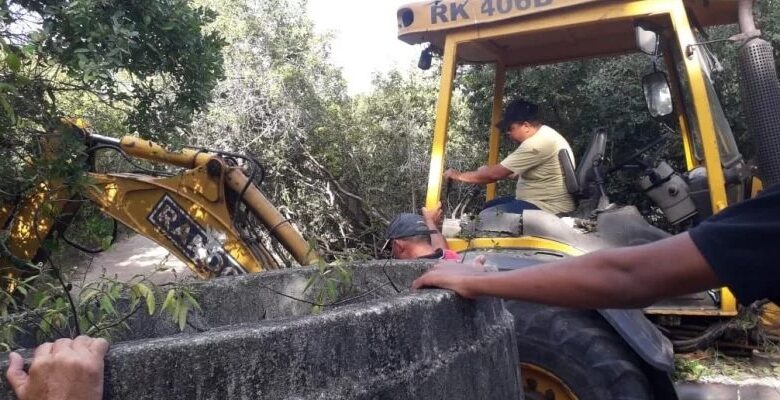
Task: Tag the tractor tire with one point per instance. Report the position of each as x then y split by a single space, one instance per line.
570 354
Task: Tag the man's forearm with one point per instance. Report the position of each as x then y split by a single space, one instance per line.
617 278
590 281
475 177
437 239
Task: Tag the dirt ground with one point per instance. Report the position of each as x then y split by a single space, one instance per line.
129 257
710 366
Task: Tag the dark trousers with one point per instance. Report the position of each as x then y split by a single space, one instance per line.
509 205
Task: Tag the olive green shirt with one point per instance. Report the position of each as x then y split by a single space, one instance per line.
540 178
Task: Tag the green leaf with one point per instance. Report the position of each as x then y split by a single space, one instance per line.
13 62
9 111
309 282
88 293
42 301
169 301
30 49
191 300
105 243
182 320
107 305
332 290
151 302
7 87
147 294
134 302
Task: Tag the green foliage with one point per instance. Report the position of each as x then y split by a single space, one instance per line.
102 307
178 303
715 366
142 67
150 54
331 282
688 369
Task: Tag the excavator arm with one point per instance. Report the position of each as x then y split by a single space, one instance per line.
210 214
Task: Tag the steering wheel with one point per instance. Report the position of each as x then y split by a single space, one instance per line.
460 208
636 157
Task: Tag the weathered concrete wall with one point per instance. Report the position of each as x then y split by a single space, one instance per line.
255 340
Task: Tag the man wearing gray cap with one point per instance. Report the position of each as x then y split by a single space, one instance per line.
414 237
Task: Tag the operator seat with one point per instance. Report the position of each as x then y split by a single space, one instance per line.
586 183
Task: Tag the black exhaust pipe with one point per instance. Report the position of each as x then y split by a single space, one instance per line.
760 90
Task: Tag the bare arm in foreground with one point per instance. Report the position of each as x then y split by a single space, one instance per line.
628 277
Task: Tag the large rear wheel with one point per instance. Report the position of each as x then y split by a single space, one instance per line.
568 354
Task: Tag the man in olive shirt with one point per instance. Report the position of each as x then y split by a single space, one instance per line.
540 183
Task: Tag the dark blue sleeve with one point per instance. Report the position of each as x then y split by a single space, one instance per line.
742 245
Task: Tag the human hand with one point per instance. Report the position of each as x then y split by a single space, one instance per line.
451 174
432 216
64 370
454 276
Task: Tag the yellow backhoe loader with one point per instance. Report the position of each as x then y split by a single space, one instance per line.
210 215
567 354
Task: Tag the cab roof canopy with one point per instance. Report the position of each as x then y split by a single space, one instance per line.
533 32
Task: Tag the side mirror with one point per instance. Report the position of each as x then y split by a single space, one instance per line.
647 40
426 57
658 94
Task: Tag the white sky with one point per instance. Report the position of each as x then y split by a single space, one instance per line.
365 38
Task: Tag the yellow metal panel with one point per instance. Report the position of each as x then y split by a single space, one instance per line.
592 15
448 69
432 21
756 187
522 242
495 133
702 107
682 311
131 199
687 139
34 220
29 227
146 149
728 303
433 16
273 220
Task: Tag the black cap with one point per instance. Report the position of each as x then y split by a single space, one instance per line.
518 110
407 225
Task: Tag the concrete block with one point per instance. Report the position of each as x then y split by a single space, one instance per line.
256 339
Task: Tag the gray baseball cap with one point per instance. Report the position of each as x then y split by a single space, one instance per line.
406 225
